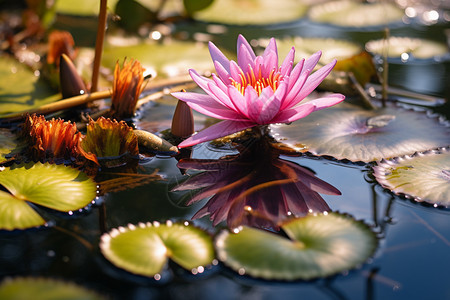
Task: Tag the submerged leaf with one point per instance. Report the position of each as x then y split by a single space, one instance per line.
252 12
345 131
317 246
145 248
44 289
424 177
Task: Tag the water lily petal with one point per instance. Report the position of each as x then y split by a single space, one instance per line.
218 56
238 100
222 72
291 98
204 104
255 107
295 73
205 84
294 114
286 66
245 59
272 106
235 71
329 100
312 61
314 80
215 131
242 42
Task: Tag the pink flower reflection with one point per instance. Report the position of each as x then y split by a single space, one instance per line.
254 188
256 90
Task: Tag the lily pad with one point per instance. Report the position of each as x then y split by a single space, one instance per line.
163 59
252 12
317 246
43 289
81 7
145 248
356 14
7 143
54 186
424 177
20 89
345 131
350 56
405 47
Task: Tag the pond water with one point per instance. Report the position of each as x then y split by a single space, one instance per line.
411 262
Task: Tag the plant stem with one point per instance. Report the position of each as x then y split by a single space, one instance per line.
60 105
99 44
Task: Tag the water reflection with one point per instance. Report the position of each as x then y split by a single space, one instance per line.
254 187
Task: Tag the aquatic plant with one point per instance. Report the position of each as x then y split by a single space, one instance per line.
255 90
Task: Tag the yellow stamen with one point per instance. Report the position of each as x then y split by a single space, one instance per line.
256 81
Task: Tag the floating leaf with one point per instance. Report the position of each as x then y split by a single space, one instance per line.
350 56
165 59
81 7
355 14
252 12
423 177
43 289
54 186
400 46
7 143
145 248
20 89
317 246
345 131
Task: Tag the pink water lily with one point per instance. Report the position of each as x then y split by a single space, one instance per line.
255 90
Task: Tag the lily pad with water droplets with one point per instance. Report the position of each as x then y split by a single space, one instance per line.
356 14
252 12
424 177
44 289
317 246
144 249
54 186
20 89
346 131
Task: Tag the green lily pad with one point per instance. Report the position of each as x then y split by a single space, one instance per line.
7 143
81 7
43 289
252 12
145 248
356 14
20 89
346 131
404 47
317 246
163 59
54 186
424 177
305 47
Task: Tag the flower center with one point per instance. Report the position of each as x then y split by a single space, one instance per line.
257 81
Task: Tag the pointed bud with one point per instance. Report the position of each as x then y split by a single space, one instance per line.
70 81
183 120
60 42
